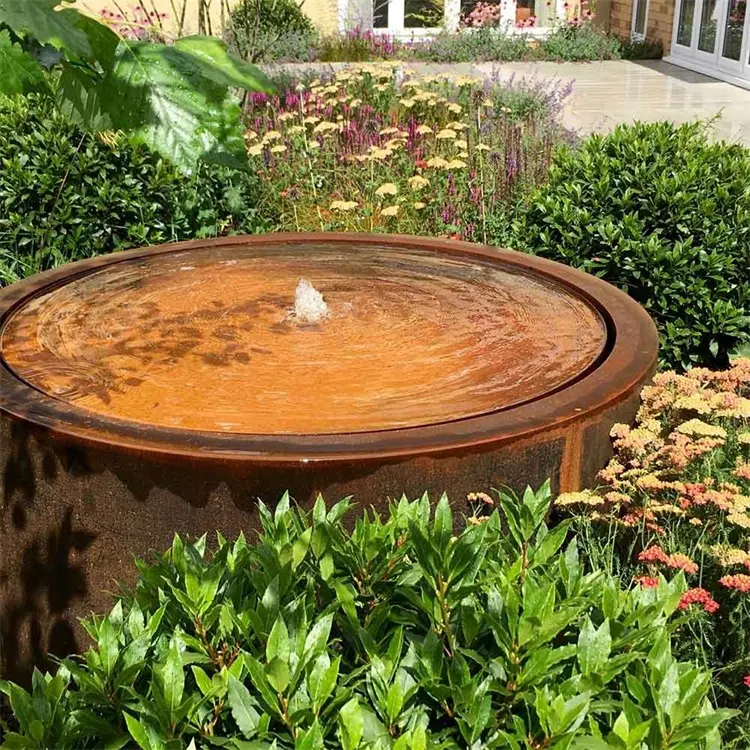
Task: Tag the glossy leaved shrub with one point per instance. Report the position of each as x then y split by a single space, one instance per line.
664 213
399 634
66 194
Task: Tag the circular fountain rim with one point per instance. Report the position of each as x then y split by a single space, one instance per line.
629 357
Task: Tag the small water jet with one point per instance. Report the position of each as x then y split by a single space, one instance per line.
309 305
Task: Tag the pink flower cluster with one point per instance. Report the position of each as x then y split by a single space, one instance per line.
656 555
739 582
138 25
483 15
701 597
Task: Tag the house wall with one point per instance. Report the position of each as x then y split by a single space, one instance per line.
658 20
323 13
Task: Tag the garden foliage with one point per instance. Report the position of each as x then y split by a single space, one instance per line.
66 194
399 634
676 497
663 213
361 150
265 30
175 98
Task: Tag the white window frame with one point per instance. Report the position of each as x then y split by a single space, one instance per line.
636 35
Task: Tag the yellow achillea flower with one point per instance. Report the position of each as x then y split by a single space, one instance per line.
272 135
461 143
325 127
457 125
418 206
408 103
295 129
455 108
585 497
284 116
446 134
739 519
311 120
250 135
387 189
728 557
390 211
343 205
481 147
437 162
699 428
278 149
424 130
456 164
388 131
418 182
255 150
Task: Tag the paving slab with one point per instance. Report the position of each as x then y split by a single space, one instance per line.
609 92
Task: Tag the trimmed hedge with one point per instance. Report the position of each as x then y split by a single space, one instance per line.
663 213
66 194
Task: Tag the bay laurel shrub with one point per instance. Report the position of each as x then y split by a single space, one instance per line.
66 194
664 213
398 634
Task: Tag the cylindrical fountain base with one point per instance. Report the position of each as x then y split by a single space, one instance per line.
114 439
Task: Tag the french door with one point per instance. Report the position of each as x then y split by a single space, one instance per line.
714 34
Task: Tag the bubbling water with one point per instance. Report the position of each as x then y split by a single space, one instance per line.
309 305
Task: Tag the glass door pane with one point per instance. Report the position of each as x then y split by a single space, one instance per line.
734 28
685 23
639 18
709 26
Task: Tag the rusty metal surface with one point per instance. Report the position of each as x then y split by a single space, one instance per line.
82 492
628 358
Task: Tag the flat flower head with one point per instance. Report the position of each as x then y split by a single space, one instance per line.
437 162
455 164
256 150
390 211
584 497
418 206
343 205
272 135
418 182
388 188
699 428
446 134
426 130
279 149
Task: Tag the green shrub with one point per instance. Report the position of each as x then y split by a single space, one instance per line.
576 43
483 44
663 213
643 49
395 635
67 195
257 27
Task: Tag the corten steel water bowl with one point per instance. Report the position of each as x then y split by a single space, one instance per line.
166 389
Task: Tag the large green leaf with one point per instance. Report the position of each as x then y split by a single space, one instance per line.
19 73
174 100
39 19
221 67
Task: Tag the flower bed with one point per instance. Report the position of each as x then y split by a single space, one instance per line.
366 151
676 497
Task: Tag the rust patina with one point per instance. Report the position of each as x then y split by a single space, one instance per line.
167 389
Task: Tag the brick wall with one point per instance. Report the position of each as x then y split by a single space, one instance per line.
658 20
